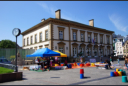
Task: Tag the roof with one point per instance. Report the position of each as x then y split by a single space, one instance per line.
62 20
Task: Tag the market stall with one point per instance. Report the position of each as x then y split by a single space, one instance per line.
56 65
44 52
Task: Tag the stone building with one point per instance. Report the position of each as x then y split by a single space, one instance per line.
69 37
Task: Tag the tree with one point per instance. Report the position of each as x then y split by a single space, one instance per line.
7 44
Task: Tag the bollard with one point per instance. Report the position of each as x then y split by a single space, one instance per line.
117 70
123 73
81 76
119 73
81 73
116 74
112 74
124 78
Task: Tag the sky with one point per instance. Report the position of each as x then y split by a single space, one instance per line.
109 15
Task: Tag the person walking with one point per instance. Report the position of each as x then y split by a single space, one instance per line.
126 62
111 60
109 64
48 64
118 60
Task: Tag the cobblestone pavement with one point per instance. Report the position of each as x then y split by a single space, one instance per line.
93 76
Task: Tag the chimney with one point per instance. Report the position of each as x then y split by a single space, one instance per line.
91 22
58 14
42 20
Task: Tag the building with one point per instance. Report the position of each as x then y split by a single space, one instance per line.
118 42
125 49
69 37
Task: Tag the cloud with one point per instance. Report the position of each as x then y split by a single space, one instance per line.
118 22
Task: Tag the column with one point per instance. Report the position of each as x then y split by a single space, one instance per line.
92 36
105 39
78 36
85 50
110 39
92 50
98 51
98 38
86 36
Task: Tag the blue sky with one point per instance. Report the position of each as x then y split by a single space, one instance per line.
110 15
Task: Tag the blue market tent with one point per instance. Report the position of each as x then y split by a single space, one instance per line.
44 52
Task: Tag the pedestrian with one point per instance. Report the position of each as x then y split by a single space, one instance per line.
126 62
111 60
65 62
80 59
37 60
48 64
109 64
118 60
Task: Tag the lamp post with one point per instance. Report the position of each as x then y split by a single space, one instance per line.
16 32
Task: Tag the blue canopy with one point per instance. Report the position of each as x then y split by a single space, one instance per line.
44 52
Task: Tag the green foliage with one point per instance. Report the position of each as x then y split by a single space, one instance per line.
5 70
7 44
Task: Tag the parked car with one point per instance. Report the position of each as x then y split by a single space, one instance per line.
4 60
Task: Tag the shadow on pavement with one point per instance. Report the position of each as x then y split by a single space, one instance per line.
86 77
55 77
89 80
24 79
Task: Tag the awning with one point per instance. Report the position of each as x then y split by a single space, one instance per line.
43 52
61 54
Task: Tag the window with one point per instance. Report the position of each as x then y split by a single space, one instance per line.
74 52
107 40
36 38
40 36
24 42
124 51
60 35
82 36
82 49
27 41
74 36
89 38
101 39
61 49
46 35
31 39
95 51
95 38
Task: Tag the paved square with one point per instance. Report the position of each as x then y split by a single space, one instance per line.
93 76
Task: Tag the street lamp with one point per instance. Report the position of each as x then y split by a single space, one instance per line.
16 32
